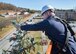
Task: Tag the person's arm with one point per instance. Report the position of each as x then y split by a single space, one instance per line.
41 26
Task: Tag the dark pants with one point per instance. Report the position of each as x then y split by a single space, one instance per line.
55 50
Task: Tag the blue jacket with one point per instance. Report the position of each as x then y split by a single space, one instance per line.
53 29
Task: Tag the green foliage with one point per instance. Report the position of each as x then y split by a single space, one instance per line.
30 11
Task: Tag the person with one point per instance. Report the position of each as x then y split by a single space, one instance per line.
54 29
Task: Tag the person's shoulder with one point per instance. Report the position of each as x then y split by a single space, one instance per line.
56 17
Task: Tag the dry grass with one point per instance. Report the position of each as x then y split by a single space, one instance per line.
6 30
5 11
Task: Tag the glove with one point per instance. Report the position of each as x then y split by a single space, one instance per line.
16 25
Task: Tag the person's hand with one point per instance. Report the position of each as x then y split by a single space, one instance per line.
17 26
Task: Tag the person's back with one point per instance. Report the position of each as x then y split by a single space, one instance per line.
55 29
56 32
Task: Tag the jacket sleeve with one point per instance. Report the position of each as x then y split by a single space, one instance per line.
41 26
